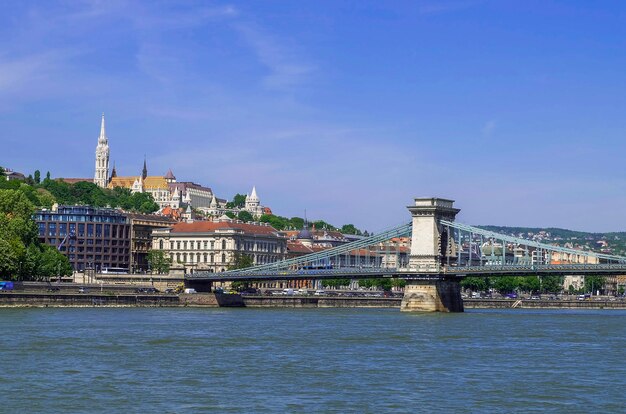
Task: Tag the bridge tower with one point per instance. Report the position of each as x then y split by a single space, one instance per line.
430 245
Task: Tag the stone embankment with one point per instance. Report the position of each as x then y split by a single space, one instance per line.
35 299
543 304
319 302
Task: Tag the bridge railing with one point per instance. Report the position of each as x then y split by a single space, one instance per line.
332 255
542 248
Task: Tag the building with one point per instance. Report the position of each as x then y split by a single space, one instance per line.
213 245
141 227
11 175
194 194
91 238
101 175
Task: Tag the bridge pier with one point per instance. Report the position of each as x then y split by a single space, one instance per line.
442 295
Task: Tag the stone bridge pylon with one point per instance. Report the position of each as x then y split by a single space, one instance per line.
430 246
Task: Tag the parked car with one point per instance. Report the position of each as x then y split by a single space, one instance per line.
83 289
511 296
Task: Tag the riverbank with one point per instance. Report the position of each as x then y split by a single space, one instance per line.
210 300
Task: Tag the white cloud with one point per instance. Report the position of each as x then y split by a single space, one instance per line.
287 69
489 128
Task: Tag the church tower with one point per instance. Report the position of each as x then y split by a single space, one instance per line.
101 176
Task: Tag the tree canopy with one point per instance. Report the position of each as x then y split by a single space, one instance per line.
22 257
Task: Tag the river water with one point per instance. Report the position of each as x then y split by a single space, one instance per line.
177 360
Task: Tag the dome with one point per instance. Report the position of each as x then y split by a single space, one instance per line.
305 233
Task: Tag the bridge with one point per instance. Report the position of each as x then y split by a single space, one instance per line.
442 252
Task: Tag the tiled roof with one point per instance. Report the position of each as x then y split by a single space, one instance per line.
297 247
211 226
151 182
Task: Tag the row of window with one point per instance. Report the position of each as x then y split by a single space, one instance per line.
97 257
80 230
80 218
210 245
211 258
89 249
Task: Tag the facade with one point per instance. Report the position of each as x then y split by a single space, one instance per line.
141 227
10 175
212 245
91 238
194 194
155 185
101 176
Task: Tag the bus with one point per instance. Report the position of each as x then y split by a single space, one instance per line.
6 286
114 271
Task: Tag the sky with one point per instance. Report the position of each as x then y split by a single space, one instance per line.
348 109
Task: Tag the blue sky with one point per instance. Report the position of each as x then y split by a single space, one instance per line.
346 108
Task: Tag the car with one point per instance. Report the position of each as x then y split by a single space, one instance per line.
83 289
169 291
54 289
319 293
535 297
511 296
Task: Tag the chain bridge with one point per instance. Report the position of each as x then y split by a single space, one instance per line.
432 253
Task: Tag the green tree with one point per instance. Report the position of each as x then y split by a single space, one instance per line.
241 261
159 262
239 201
477 284
551 284
296 222
336 283
594 284
350 229
21 255
245 216
2 173
37 177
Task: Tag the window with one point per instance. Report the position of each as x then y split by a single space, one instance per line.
89 230
160 244
185 245
212 244
178 245
52 229
205 245
223 245
223 258
212 258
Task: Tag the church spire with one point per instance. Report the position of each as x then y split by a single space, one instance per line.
144 172
101 176
102 139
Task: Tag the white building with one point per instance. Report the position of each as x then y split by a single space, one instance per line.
211 245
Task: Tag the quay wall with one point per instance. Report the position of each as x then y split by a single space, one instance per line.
319 302
542 304
28 299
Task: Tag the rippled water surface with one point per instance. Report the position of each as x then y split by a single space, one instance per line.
311 360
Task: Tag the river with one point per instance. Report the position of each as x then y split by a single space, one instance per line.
178 360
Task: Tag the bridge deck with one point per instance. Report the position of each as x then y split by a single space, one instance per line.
373 273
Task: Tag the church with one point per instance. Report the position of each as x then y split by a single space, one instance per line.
166 190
